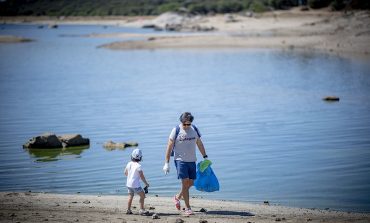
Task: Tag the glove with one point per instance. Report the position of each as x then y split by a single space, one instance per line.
204 164
166 168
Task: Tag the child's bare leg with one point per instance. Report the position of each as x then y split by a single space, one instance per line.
129 202
141 201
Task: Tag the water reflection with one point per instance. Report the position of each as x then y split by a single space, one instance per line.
48 155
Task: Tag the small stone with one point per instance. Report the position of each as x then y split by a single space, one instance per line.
203 221
156 195
155 216
151 208
86 202
309 219
202 210
277 219
13 215
266 203
179 220
74 202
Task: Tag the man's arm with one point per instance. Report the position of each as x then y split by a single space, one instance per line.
169 150
201 148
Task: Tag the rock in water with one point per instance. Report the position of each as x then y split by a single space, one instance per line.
331 98
73 140
110 145
46 140
51 141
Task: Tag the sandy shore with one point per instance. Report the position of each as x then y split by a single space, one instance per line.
340 33
324 31
40 207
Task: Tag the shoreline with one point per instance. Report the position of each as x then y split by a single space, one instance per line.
335 33
38 207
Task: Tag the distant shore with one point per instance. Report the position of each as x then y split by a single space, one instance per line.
343 34
41 207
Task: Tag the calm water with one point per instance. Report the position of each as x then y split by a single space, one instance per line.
264 125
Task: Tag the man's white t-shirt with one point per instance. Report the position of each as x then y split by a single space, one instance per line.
185 144
133 176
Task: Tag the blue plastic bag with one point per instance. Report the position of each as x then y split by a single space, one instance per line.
206 181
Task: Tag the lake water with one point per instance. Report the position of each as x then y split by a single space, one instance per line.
265 126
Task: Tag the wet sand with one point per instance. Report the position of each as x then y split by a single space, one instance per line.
41 207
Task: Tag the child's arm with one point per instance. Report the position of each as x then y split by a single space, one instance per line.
143 178
126 172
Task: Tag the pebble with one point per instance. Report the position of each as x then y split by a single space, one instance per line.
86 202
179 220
203 221
266 202
151 208
155 216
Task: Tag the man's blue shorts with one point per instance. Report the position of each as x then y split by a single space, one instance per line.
186 170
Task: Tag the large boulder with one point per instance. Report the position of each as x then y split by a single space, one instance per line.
50 141
73 140
46 140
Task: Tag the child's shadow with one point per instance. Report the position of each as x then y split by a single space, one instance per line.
231 213
163 214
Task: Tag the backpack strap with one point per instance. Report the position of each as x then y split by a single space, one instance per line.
177 133
196 129
174 141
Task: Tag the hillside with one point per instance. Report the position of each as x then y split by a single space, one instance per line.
156 7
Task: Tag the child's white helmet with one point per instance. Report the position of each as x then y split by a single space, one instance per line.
136 154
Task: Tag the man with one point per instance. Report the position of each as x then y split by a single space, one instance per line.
182 142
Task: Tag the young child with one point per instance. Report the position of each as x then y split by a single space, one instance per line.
134 173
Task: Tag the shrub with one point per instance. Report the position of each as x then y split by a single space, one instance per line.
317 4
337 5
169 7
257 6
